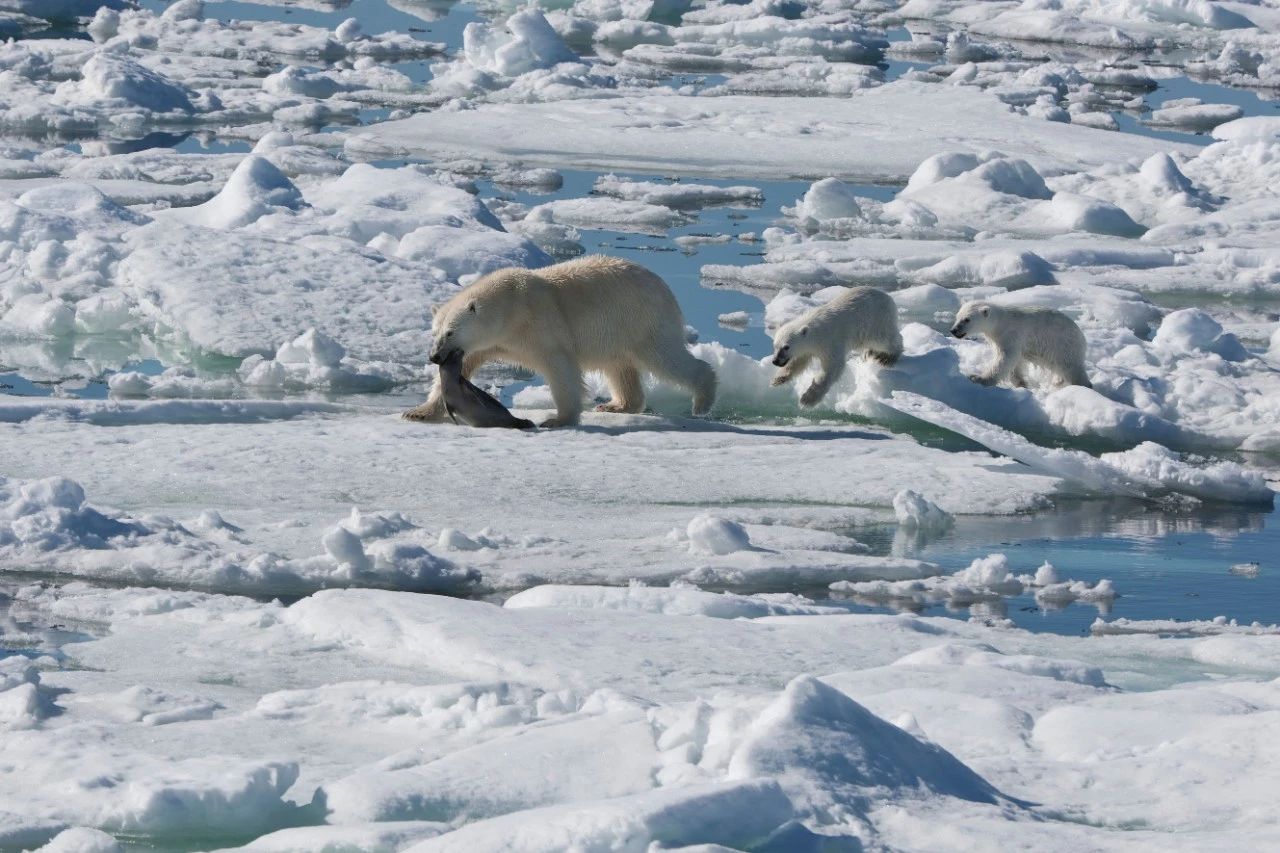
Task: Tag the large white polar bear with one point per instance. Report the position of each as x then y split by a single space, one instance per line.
592 313
1020 336
860 319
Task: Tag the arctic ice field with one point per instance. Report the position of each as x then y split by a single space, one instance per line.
245 605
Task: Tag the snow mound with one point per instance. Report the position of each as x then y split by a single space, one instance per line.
1191 330
824 200
957 654
833 756
256 188
112 76
712 535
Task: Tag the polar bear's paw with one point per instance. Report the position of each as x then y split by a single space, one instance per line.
426 414
557 421
812 396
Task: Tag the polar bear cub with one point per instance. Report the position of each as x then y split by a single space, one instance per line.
860 319
592 313
1020 336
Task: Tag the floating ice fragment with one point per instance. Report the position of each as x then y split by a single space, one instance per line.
827 199
82 839
1046 575
915 512
110 75
348 31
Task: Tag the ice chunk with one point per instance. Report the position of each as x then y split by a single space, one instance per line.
1196 117
827 199
110 75
915 512
732 814
529 43
1143 471
1191 329
681 195
717 535
82 839
615 214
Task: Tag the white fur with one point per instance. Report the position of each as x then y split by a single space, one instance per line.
593 313
1020 336
860 319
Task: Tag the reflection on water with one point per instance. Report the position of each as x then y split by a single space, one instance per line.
31 633
1165 564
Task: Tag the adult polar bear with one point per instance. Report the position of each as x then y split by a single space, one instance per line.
592 313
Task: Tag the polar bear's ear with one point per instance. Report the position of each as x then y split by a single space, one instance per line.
435 310
472 307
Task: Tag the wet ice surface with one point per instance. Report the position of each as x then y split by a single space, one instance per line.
700 642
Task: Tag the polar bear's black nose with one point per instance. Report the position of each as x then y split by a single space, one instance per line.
779 361
958 332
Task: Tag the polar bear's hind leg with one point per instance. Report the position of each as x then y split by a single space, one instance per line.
679 366
628 392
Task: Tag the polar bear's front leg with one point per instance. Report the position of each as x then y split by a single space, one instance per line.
830 371
791 370
1005 365
565 378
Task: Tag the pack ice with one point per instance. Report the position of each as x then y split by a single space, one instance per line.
244 605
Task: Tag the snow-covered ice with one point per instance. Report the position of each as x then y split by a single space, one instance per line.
245 605
896 126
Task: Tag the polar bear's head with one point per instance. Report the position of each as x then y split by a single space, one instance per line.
474 319
974 318
789 341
